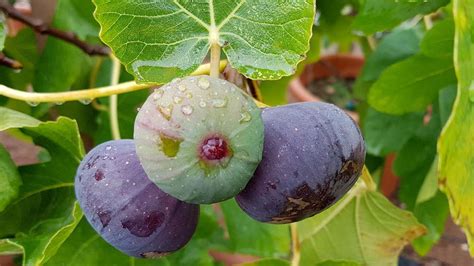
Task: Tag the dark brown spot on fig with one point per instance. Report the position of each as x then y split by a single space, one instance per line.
91 162
99 175
143 225
104 217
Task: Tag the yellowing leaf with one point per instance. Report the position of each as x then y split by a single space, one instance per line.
455 146
363 227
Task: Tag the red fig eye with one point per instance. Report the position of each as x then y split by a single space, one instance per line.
214 148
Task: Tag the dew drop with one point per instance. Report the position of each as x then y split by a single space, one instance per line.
157 95
182 88
204 83
59 103
176 80
202 103
166 111
187 109
33 103
245 117
219 103
189 95
86 101
177 100
108 148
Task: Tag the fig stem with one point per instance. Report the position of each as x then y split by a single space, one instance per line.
295 245
113 105
92 93
215 59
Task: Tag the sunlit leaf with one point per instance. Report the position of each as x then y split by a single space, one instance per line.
456 156
439 41
161 40
363 227
411 85
45 211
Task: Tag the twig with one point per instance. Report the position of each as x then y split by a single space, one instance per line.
8 62
42 28
89 93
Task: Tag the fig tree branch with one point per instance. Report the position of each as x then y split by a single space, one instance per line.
89 94
8 62
44 29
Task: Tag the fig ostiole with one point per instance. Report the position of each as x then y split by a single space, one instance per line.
199 139
313 155
126 208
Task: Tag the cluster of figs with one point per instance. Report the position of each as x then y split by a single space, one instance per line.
202 140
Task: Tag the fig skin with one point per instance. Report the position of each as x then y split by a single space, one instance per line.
199 139
128 210
313 155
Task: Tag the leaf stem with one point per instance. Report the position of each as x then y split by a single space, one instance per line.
89 93
113 100
295 245
215 59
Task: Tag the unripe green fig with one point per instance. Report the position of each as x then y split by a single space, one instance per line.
199 139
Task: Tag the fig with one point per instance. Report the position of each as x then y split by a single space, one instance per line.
313 154
128 210
199 139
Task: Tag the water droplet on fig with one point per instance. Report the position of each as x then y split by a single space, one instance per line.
182 88
204 83
219 103
189 95
245 117
166 111
59 103
202 103
177 100
157 95
34 104
108 148
187 109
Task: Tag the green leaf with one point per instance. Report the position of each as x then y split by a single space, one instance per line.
439 41
363 227
267 262
160 40
409 86
62 64
23 48
433 213
45 212
416 166
13 119
386 133
253 238
393 48
10 180
275 92
446 102
456 156
376 15
3 31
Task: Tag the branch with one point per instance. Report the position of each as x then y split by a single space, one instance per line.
88 94
8 62
42 28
